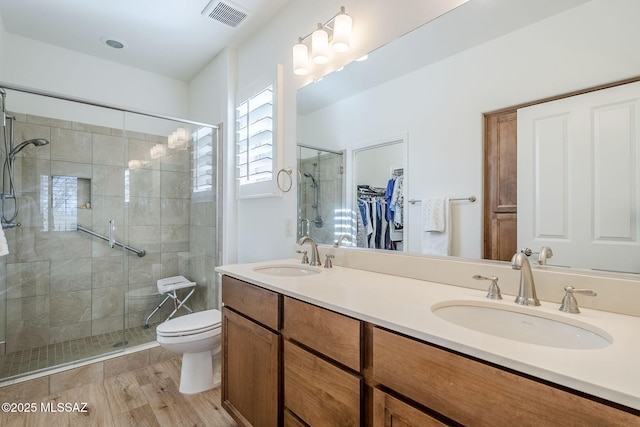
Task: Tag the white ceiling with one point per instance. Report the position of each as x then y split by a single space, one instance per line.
167 37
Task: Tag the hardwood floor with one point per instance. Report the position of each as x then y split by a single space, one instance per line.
144 397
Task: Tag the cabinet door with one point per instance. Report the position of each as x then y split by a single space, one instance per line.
318 392
391 412
250 371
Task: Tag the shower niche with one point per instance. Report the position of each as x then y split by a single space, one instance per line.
69 196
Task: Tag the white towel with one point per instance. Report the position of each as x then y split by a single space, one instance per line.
434 209
4 247
438 242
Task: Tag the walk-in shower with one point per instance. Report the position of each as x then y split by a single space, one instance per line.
98 204
320 193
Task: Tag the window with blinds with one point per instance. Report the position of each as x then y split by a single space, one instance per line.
203 161
255 138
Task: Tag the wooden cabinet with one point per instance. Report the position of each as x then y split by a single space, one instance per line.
471 392
388 411
319 392
261 305
334 335
290 363
251 374
322 364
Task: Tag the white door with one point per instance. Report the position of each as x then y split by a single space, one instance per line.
578 190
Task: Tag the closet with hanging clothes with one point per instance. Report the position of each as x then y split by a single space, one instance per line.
380 214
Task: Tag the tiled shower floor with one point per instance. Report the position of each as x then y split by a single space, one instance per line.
29 360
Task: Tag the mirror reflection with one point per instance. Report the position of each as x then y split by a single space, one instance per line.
320 195
435 85
379 206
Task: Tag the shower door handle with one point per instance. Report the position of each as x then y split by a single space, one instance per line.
112 233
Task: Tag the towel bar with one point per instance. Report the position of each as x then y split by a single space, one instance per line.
470 199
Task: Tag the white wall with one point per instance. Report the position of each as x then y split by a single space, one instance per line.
440 106
46 67
212 101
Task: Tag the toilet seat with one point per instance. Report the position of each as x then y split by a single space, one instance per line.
190 324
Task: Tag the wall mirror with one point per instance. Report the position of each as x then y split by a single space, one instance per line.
320 193
435 83
377 202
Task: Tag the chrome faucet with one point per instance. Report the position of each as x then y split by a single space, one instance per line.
543 255
527 292
315 256
341 238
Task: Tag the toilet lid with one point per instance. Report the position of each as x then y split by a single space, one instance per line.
193 323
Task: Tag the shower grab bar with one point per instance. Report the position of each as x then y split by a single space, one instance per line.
112 233
139 252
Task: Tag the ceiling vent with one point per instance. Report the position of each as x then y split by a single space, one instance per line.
224 12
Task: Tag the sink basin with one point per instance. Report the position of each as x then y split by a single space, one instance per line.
520 324
286 270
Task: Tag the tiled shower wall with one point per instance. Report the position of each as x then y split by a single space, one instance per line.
63 285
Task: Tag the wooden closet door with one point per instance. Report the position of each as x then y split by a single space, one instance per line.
501 192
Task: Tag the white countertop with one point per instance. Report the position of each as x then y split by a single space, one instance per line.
404 305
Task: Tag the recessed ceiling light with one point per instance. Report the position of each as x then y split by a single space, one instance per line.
112 42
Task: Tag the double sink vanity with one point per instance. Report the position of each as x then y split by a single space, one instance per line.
384 341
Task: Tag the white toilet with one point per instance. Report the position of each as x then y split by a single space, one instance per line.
197 337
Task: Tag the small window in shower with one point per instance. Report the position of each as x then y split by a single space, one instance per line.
203 164
69 193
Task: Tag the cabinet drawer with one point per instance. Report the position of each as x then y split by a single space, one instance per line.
332 334
318 392
255 302
474 393
391 412
291 420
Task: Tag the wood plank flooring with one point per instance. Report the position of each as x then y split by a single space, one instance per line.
144 397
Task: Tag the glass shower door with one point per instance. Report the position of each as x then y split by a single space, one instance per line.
171 212
320 195
64 287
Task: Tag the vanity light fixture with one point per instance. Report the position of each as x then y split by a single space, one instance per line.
178 139
157 151
320 45
300 58
336 32
135 164
342 31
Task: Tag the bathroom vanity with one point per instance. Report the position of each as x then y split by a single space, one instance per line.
342 346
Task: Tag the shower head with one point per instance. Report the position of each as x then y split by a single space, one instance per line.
38 142
313 180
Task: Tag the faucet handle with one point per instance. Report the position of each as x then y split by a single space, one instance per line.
305 258
327 261
569 302
544 254
494 289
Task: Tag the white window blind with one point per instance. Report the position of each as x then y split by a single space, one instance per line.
255 138
203 164
259 137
